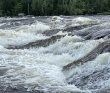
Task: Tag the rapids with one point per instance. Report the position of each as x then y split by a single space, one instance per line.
55 54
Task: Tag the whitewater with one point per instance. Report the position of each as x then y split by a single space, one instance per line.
55 54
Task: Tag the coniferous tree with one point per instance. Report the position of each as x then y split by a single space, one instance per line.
54 7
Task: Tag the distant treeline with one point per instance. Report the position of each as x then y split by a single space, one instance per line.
54 7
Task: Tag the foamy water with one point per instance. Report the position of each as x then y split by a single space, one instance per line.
36 28
100 66
41 68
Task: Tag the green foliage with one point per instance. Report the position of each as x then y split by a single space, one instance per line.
18 8
54 7
5 16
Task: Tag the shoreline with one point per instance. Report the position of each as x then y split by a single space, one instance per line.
54 15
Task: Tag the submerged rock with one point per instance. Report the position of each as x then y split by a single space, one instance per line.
70 30
94 32
98 34
16 22
89 72
4 89
1 72
39 43
90 80
104 90
51 32
102 48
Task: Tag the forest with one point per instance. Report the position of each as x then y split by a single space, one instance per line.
54 7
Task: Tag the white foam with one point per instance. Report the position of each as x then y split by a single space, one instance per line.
11 37
34 28
66 50
96 68
1 24
62 33
57 22
56 18
9 18
31 68
96 26
64 42
70 44
82 21
41 68
1 47
24 68
101 59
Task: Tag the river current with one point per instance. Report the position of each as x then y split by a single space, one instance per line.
55 54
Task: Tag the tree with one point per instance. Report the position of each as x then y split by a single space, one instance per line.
54 7
18 8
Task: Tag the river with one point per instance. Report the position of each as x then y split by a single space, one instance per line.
55 54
